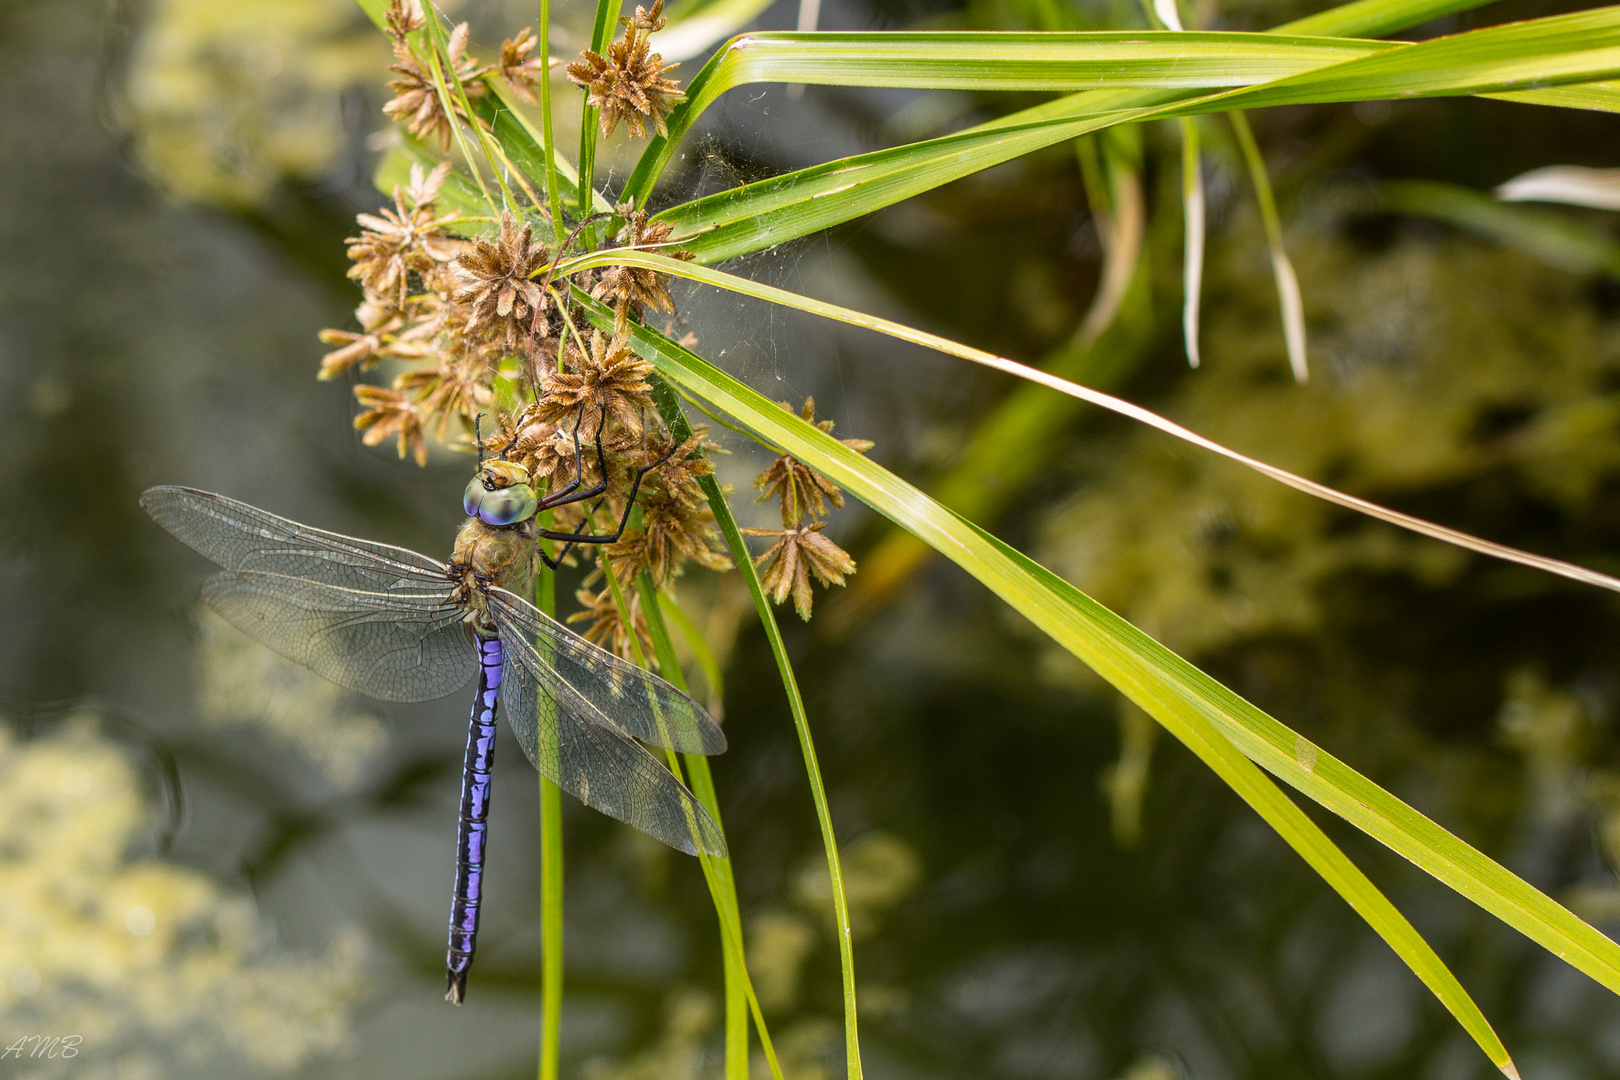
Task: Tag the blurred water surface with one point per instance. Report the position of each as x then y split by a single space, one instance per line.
214 864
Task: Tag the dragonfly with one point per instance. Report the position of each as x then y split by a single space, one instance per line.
399 626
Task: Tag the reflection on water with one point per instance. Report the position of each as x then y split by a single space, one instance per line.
149 964
241 682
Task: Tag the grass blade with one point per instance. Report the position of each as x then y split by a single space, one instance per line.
1113 184
1099 637
551 884
1288 298
1064 616
553 193
1555 238
1036 61
706 661
602 318
710 276
722 884
1584 46
1010 449
1192 267
607 11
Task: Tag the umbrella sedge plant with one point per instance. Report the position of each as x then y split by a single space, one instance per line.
504 283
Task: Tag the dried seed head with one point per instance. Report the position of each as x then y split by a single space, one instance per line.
458 390
608 386
389 412
408 238
797 555
416 101
647 21
606 628
631 288
404 17
520 71
629 84
676 520
496 293
802 491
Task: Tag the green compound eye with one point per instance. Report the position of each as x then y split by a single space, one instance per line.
499 506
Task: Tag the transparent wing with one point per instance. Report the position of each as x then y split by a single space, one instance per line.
599 765
243 538
602 689
371 617
365 641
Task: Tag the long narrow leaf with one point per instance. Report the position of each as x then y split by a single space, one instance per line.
710 276
1288 298
1585 46
1192 267
1095 633
669 409
992 61
1007 574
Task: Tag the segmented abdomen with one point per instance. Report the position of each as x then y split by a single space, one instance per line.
470 835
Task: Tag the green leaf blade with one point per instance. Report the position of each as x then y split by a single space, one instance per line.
1107 643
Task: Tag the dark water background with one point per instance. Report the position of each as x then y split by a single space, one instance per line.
1003 931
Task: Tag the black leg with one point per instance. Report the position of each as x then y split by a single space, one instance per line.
576 536
559 498
554 561
570 493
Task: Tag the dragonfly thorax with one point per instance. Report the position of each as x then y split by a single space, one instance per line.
485 555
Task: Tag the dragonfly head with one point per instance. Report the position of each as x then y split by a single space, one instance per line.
500 494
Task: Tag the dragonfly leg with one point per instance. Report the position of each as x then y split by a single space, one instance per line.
470 836
571 493
554 561
575 537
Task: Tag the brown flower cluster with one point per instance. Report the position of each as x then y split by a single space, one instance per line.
417 99
629 83
406 259
633 289
486 349
801 551
417 102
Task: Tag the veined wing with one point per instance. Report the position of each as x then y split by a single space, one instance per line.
366 641
602 689
371 617
598 764
243 538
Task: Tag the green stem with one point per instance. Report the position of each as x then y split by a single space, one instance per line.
551 926
722 884
818 791
700 649
601 34
1288 298
435 49
553 197
669 409
447 85
551 888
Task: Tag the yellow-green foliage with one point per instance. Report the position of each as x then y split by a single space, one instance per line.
228 98
1434 363
147 962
